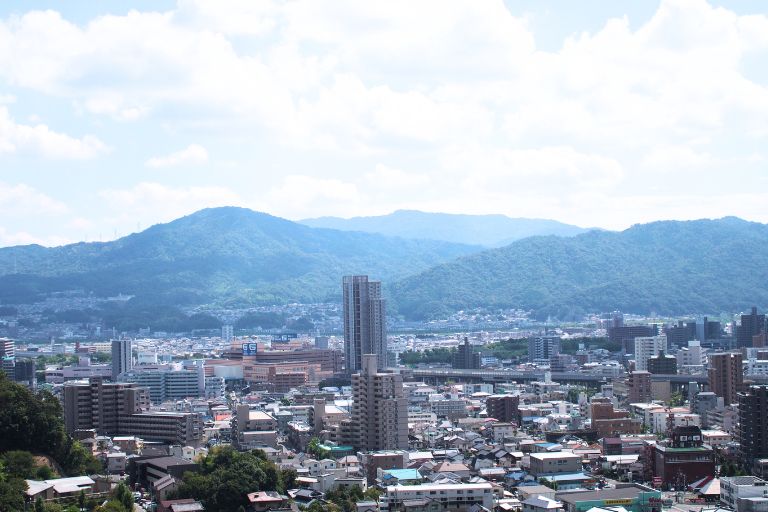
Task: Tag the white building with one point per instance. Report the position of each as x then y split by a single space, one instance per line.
735 488
454 497
646 347
692 355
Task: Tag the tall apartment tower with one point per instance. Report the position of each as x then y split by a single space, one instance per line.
379 418
726 377
364 322
753 423
639 386
122 357
8 357
646 347
751 325
466 357
543 347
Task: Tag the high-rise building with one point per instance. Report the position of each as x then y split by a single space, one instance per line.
692 355
8 357
646 347
726 377
662 363
753 424
364 322
680 334
639 387
751 325
166 383
543 347
503 408
227 332
379 416
122 409
122 357
465 357
626 334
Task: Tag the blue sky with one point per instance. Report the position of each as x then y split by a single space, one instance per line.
113 118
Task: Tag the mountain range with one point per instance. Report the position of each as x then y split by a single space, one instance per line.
668 267
485 230
226 254
234 256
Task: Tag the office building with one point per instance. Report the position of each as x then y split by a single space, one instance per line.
692 355
626 334
645 348
750 326
122 357
379 416
679 335
465 357
543 347
364 322
608 421
167 383
321 342
663 363
123 409
707 329
726 377
753 425
639 387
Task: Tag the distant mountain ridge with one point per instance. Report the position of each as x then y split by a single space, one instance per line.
486 230
225 254
669 267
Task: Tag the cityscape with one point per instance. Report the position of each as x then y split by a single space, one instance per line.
355 256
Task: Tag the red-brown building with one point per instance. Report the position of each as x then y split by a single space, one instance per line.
685 460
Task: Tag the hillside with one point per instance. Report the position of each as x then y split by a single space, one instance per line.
226 254
486 230
669 267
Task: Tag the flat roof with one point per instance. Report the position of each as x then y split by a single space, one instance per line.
621 493
555 455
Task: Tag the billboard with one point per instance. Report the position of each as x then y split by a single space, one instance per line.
249 349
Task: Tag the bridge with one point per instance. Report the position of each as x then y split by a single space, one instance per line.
441 375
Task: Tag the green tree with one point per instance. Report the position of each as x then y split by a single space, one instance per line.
123 496
19 463
39 505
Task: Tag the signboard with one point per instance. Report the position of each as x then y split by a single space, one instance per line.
618 502
249 349
657 481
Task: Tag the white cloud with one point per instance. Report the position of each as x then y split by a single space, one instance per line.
22 200
23 238
39 139
194 154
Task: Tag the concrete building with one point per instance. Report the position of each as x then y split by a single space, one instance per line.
753 424
726 377
253 428
166 383
663 364
647 347
364 322
122 409
122 357
685 460
639 387
379 415
554 463
750 326
8 356
736 490
692 355
466 357
608 421
503 408
454 497
543 347
328 360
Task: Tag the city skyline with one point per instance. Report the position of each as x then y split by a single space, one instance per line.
598 115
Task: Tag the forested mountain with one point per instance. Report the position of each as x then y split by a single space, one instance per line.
668 267
487 230
228 254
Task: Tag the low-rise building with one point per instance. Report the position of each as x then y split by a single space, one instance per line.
454 497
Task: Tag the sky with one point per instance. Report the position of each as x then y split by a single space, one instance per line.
115 116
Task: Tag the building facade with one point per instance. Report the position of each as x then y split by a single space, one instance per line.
726 377
364 322
379 416
122 357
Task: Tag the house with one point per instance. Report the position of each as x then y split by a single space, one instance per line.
267 500
541 504
59 487
182 505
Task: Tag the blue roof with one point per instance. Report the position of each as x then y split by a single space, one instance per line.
402 474
547 445
566 477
